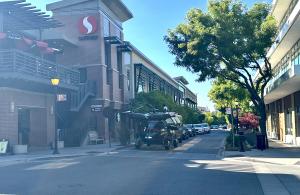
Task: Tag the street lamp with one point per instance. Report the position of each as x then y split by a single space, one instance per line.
55 83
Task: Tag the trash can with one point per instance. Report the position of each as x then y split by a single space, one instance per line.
260 141
242 140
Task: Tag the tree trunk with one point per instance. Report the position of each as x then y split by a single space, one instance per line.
263 120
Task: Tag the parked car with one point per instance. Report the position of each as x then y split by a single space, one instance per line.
199 128
215 127
156 131
206 128
191 130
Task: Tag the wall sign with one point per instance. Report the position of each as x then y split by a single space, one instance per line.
96 108
3 146
88 25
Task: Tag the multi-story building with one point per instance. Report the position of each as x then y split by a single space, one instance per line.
83 46
149 77
189 98
92 41
26 67
282 95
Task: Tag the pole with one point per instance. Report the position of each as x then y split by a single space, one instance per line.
232 127
55 151
237 118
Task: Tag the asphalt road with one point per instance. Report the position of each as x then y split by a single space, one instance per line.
192 168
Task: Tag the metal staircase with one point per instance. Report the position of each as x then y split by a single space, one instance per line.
86 90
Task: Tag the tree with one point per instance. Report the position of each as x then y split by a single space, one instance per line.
228 41
225 93
156 100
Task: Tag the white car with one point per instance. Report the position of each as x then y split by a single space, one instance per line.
206 128
199 128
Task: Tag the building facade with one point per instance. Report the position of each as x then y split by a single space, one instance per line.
149 77
282 95
27 97
82 45
92 41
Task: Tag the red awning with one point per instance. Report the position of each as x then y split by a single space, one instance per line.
28 41
41 44
2 35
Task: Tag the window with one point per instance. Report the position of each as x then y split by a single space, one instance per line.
106 27
127 58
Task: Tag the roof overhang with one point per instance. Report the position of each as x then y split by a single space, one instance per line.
182 79
290 36
19 15
118 8
287 87
279 7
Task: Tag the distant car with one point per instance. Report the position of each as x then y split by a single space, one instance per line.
215 127
199 128
223 126
206 128
191 129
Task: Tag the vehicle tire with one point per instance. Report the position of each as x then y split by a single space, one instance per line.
138 143
180 140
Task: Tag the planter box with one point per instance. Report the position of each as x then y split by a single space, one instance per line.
20 149
60 144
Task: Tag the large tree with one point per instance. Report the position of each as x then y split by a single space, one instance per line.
225 93
228 41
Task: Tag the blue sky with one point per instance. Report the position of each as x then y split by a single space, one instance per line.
152 19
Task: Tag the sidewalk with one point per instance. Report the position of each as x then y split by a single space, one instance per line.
63 153
278 153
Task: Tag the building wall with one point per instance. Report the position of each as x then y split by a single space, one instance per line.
40 105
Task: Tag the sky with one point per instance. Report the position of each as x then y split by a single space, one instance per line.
152 19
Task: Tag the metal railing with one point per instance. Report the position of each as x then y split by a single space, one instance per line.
85 91
16 61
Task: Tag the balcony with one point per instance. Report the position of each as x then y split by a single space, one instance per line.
285 82
18 65
287 36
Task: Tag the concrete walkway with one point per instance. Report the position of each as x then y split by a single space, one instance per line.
277 169
63 153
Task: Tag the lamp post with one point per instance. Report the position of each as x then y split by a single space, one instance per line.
55 83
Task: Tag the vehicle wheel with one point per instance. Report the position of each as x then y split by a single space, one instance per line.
138 143
180 140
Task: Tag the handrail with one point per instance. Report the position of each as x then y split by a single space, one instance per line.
21 62
85 90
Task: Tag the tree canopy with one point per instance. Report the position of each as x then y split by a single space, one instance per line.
156 100
224 94
228 41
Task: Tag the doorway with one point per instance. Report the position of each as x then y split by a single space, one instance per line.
23 126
